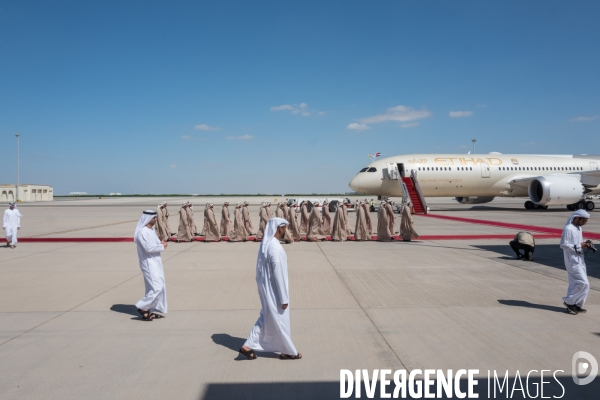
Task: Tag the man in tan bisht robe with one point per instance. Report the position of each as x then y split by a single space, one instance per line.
391 217
239 233
303 217
406 225
212 228
205 223
281 213
269 212
166 215
368 217
293 223
361 232
247 221
184 234
159 228
326 227
264 217
347 220
190 214
226 224
383 224
314 231
338 228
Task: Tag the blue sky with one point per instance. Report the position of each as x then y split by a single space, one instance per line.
280 97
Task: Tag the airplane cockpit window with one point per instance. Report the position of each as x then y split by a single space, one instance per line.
372 169
363 170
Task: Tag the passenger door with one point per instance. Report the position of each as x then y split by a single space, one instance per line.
485 170
593 165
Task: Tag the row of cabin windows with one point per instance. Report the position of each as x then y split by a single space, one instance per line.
373 169
445 169
540 169
505 169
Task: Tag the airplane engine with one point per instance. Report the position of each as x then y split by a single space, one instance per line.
474 200
555 190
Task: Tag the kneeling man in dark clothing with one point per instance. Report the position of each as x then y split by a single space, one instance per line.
523 241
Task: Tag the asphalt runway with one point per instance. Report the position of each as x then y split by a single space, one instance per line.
69 328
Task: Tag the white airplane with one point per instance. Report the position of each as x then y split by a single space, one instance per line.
547 180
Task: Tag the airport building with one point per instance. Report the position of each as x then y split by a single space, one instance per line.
27 192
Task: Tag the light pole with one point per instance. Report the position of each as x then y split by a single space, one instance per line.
473 140
18 135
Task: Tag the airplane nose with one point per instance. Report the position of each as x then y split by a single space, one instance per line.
355 184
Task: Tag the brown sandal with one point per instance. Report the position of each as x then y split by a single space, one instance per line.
289 357
249 354
145 315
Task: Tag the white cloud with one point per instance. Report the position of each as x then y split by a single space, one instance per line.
460 114
243 137
186 137
355 126
398 113
301 109
410 125
204 127
173 165
580 119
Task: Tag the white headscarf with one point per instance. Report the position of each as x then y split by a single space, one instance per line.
270 230
12 203
578 213
144 219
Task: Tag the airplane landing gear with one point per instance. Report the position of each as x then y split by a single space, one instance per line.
582 205
530 205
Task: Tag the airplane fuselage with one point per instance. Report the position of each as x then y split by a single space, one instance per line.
460 175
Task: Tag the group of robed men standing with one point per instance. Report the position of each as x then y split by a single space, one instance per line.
315 224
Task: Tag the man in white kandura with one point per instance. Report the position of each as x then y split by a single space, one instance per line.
573 244
148 249
11 223
272 330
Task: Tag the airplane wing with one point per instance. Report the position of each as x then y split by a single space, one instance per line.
587 178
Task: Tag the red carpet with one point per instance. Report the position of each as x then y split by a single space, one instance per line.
547 233
554 231
252 239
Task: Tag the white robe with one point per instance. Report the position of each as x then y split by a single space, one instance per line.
148 249
11 224
272 330
579 286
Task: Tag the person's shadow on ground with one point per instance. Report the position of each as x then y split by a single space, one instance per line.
128 309
235 344
526 304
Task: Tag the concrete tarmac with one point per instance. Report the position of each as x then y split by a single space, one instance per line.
69 328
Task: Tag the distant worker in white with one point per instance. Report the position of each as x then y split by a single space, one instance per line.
11 223
573 244
272 330
149 248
